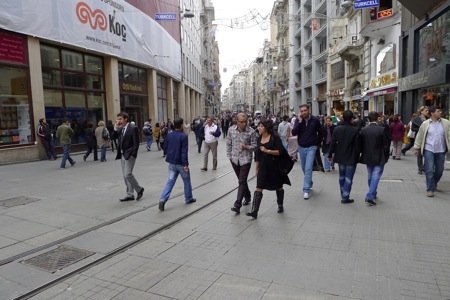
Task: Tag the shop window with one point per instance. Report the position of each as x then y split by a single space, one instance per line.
72 60
51 77
80 96
96 110
94 82
15 127
93 64
50 57
386 59
384 10
74 80
433 43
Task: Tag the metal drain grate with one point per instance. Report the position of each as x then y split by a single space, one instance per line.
17 201
58 258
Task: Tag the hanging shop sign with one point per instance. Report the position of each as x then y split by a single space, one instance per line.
384 80
360 4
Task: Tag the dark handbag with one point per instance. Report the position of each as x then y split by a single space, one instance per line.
318 165
285 162
105 134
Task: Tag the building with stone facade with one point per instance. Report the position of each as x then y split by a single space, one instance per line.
105 57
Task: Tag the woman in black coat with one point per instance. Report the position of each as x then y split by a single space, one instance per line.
268 174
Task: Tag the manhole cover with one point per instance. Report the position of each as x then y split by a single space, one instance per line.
58 258
17 201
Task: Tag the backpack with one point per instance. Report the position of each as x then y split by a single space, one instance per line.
146 131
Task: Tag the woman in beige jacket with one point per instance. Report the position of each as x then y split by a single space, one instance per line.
103 140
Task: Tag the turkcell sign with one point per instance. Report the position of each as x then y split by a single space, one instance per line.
165 17
360 4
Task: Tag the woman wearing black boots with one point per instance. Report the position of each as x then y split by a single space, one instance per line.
268 175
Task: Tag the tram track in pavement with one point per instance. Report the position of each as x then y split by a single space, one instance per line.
39 289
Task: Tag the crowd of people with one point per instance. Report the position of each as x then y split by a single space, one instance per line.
317 142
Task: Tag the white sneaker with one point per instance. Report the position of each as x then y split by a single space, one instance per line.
306 196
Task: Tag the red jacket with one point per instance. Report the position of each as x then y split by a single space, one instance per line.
397 131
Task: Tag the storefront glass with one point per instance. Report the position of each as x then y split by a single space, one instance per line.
162 98
73 89
436 95
433 43
14 107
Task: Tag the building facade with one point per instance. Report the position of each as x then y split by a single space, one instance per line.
425 57
104 58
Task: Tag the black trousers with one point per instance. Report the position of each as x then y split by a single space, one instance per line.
242 175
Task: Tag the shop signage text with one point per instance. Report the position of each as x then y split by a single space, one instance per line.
12 48
132 88
434 76
383 80
165 17
359 4
97 18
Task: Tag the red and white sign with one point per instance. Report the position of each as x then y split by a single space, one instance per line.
12 48
115 28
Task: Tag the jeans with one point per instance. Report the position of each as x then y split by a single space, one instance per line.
66 156
174 170
374 175
420 166
242 175
326 164
307 156
346 173
103 154
49 150
149 141
434 167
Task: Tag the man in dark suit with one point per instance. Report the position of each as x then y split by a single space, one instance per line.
127 150
375 144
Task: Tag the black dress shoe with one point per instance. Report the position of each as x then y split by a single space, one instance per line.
346 201
370 202
203 169
191 201
247 201
237 210
139 195
161 205
127 199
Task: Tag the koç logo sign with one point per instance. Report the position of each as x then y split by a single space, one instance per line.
97 19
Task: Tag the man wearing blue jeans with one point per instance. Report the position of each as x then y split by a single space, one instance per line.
176 149
64 133
433 141
375 144
345 147
308 130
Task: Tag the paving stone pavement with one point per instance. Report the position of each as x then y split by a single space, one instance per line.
317 249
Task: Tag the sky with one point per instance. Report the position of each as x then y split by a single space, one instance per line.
239 47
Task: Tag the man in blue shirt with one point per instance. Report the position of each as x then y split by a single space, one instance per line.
308 130
176 149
